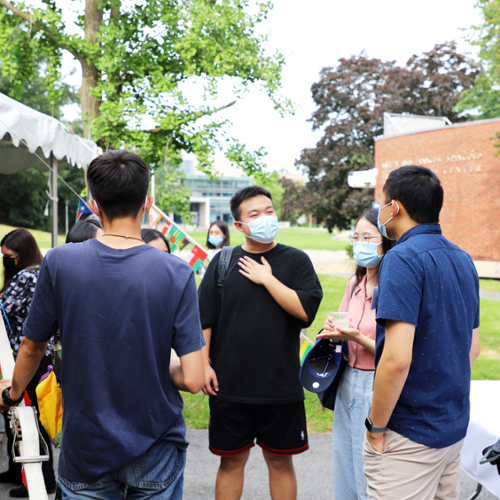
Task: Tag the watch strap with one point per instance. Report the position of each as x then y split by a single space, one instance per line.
372 428
7 400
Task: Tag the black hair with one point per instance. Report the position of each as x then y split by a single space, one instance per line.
372 216
244 194
83 230
119 183
152 234
22 242
222 225
418 189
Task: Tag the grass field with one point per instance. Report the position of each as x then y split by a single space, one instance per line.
303 238
487 366
492 285
310 239
43 238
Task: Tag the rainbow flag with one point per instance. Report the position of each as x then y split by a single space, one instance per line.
306 345
304 351
196 257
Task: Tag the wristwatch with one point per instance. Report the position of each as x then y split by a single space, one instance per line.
371 428
6 398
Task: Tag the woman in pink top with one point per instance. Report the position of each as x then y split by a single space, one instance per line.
354 394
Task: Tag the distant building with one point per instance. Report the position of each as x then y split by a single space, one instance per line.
464 157
210 198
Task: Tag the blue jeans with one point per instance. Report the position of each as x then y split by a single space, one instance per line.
158 474
352 406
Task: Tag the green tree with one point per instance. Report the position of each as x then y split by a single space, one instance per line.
23 195
483 99
271 182
351 100
170 194
135 58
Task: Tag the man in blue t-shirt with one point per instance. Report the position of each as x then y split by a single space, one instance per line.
120 306
427 339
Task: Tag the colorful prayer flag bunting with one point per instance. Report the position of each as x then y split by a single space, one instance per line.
196 257
167 227
154 216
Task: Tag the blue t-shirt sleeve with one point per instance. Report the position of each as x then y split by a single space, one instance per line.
41 323
400 289
188 336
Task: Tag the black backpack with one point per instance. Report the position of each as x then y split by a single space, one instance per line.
224 261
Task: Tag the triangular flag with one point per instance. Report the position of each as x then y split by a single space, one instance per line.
82 209
154 216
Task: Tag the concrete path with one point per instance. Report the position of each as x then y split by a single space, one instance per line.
331 262
313 470
489 294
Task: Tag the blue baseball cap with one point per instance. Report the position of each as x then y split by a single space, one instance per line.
321 365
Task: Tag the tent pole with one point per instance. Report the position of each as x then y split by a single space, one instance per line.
67 217
53 197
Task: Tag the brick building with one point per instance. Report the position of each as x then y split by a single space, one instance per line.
465 159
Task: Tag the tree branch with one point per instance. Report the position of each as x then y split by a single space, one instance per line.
196 116
29 19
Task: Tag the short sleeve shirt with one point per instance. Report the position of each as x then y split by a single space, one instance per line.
254 347
358 303
120 312
429 282
16 301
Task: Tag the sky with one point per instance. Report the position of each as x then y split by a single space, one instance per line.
314 34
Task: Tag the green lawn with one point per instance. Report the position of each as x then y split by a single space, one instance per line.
493 285
43 238
487 366
303 238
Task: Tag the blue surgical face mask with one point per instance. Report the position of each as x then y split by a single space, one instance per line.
366 254
264 229
381 227
215 240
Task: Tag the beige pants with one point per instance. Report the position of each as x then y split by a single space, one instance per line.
406 470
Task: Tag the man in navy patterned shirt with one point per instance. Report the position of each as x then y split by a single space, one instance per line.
427 339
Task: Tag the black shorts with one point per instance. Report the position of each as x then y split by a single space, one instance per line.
280 429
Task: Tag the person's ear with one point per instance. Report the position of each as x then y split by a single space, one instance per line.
93 206
238 226
395 208
149 202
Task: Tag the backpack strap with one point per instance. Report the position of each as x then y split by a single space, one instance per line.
224 261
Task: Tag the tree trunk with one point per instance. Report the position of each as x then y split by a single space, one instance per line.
90 75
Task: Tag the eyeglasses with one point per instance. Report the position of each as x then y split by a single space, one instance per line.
361 238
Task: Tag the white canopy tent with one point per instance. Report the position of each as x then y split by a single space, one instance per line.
27 136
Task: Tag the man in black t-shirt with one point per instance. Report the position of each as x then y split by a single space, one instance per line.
252 331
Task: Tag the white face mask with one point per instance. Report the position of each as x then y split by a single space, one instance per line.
264 229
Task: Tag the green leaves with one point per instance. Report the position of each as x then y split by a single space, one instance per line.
137 57
483 100
351 100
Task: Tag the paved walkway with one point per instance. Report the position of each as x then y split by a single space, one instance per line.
313 470
489 294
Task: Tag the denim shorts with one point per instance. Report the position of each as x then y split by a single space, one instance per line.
158 474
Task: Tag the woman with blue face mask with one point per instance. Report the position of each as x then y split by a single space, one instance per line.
218 236
353 400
